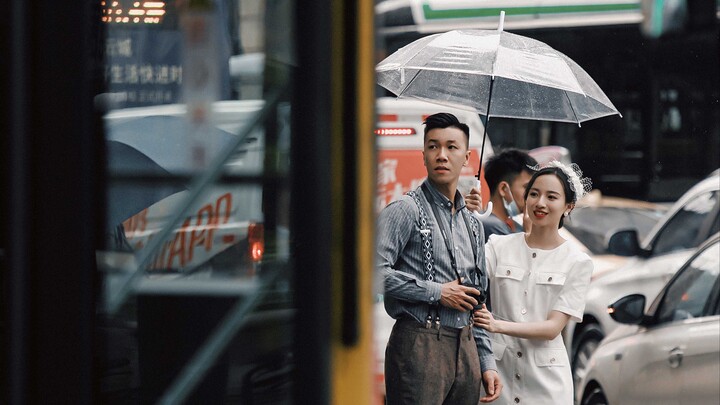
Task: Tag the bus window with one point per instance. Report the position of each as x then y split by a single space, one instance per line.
197 252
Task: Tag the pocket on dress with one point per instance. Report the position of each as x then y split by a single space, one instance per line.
551 357
510 273
547 278
498 349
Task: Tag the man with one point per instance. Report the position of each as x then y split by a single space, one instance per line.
507 174
428 244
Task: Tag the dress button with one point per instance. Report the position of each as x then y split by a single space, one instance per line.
523 311
517 400
549 278
519 354
552 360
517 376
525 292
534 255
507 273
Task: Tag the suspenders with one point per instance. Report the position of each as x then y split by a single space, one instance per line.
428 261
427 246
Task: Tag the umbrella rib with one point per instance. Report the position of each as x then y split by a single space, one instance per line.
408 85
572 108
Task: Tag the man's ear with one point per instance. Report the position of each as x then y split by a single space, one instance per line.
502 187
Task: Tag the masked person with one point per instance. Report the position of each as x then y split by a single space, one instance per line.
538 282
506 174
430 255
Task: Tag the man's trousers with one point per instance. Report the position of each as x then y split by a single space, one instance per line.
427 366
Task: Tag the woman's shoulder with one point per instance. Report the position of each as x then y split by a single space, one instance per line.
576 252
513 239
577 257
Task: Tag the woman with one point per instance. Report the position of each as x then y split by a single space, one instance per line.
538 282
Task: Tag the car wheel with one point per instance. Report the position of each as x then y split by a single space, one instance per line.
595 397
588 340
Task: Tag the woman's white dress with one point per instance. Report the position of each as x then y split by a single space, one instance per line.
525 285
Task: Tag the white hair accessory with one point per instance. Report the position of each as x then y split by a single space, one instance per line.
578 184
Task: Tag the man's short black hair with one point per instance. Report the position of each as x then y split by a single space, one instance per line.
506 166
445 120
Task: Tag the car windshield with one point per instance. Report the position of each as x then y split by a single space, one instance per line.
591 225
688 296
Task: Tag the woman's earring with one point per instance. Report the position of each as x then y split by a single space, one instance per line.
566 214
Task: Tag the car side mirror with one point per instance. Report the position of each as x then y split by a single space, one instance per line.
624 243
629 309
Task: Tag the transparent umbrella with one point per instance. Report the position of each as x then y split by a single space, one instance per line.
496 74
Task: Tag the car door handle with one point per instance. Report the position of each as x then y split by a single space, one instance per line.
675 358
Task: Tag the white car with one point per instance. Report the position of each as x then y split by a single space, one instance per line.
669 354
596 215
690 221
223 231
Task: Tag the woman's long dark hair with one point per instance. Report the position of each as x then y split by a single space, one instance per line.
569 194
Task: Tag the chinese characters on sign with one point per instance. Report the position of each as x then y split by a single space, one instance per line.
398 172
141 72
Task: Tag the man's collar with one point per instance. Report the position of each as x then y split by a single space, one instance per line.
442 200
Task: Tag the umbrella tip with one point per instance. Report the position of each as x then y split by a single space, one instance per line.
502 20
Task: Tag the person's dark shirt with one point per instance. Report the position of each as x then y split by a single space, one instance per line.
496 226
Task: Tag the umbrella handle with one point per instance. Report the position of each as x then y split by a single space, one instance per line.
485 214
480 215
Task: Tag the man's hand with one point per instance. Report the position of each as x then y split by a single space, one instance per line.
473 200
492 384
457 296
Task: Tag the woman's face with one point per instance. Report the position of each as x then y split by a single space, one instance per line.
546 201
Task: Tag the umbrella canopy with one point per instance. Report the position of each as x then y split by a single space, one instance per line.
152 146
494 73
126 200
164 139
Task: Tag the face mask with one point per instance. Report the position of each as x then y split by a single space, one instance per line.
511 207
